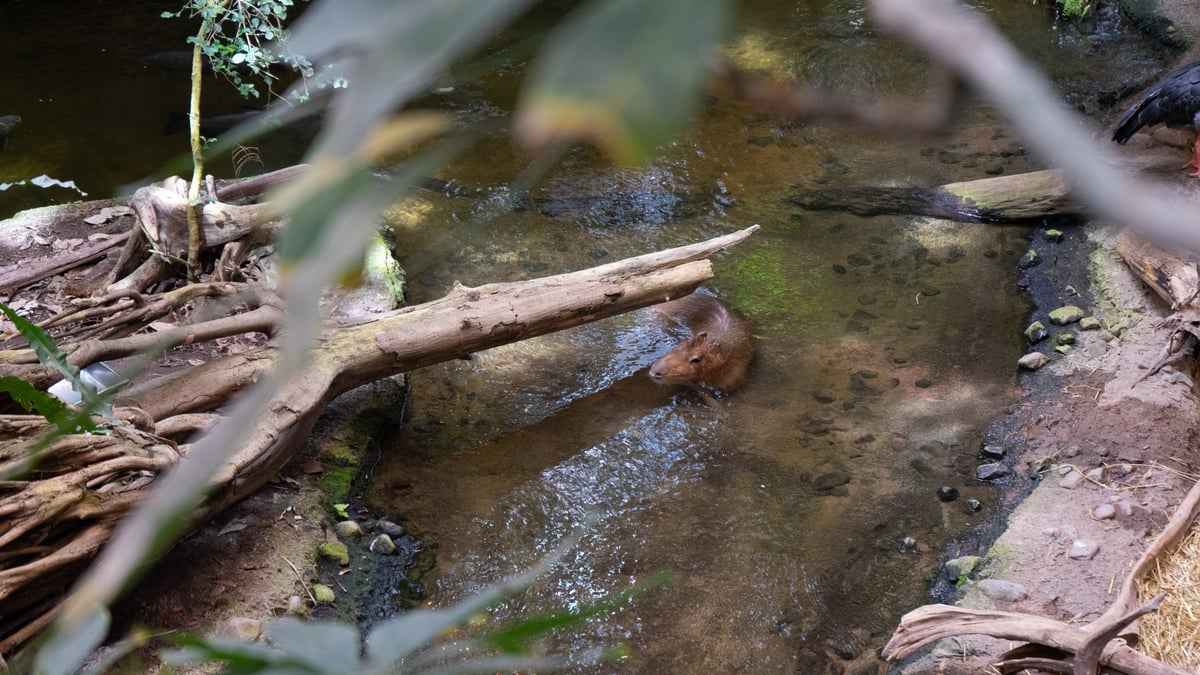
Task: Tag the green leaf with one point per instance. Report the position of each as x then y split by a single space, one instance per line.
35 400
49 354
65 651
515 637
625 74
327 646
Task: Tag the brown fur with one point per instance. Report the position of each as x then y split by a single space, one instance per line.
717 354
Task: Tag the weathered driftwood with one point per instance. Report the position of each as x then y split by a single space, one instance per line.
1086 648
1019 198
53 523
1174 277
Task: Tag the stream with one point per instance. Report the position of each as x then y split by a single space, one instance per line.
800 523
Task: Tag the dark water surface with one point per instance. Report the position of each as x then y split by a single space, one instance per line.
885 344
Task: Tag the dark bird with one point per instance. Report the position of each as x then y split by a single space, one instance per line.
1174 101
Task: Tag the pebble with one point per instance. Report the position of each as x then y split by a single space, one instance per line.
1033 361
323 593
1083 549
947 493
1104 512
1096 474
383 545
1071 480
348 528
1089 323
1125 507
296 606
337 551
998 589
963 567
1067 314
991 471
244 629
974 505
1028 260
993 451
1036 332
389 528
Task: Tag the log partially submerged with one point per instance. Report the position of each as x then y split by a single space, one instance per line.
1019 198
54 522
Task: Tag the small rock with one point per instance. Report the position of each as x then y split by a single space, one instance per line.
1066 315
1065 339
296 606
823 396
1071 451
1083 549
998 589
323 593
909 545
1071 480
1036 332
993 451
1069 532
991 471
336 551
1096 474
383 545
389 528
1033 361
947 493
1028 260
963 567
1089 323
244 629
1062 349
828 481
974 506
1125 507
1104 512
348 528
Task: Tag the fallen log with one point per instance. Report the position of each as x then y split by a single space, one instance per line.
53 524
1019 198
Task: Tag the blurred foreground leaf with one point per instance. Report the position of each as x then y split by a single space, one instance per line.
624 74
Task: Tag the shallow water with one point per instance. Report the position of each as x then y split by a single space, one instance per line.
885 347
885 344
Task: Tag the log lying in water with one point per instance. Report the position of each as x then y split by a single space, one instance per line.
1019 198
